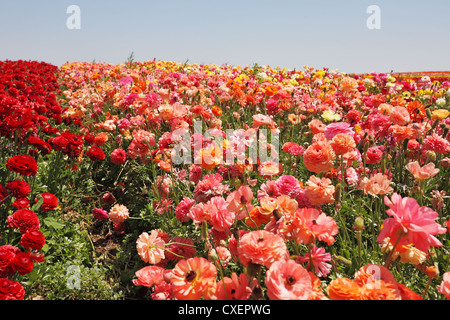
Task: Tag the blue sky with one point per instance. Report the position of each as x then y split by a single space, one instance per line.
333 34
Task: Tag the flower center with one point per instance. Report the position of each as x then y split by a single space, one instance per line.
290 280
191 275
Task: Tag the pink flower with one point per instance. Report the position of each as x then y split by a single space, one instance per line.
210 186
268 189
311 224
338 127
444 287
318 259
373 155
288 185
416 224
421 173
182 209
436 143
221 218
287 280
149 276
100 214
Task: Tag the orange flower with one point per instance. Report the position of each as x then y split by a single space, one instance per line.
234 288
261 247
342 143
319 191
380 290
416 111
101 138
401 133
210 157
343 289
217 111
319 157
317 293
192 278
348 84
256 217
316 126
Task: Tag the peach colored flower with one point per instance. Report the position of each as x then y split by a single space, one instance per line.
376 184
373 272
343 289
150 247
209 157
380 290
399 115
193 278
282 215
288 280
119 213
422 173
261 247
319 190
401 133
319 157
219 217
348 84
342 143
234 288
269 168
444 287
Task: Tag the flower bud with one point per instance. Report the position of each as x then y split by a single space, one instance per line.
445 162
359 223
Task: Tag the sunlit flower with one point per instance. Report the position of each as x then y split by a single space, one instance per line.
151 247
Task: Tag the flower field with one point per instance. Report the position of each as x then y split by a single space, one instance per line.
161 180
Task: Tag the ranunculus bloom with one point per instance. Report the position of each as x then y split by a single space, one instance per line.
118 156
150 247
149 276
342 143
180 248
100 214
373 155
376 184
210 186
343 289
288 280
338 127
261 247
436 143
399 115
444 287
311 224
420 173
234 288
19 188
416 224
24 220
319 190
319 157
23 164
50 201
23 263
192 278
32 239
95 153
182 209
11 290
319 259
220 217
7 254
119 213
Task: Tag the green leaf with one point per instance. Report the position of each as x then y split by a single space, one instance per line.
53 223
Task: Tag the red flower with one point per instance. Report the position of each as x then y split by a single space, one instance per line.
24 220
19 188
118 156
7 254
33 239
95 153
23 164
3 194
23 263
11 290
50 201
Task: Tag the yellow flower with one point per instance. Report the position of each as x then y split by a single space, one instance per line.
358 128
439 114
330 115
